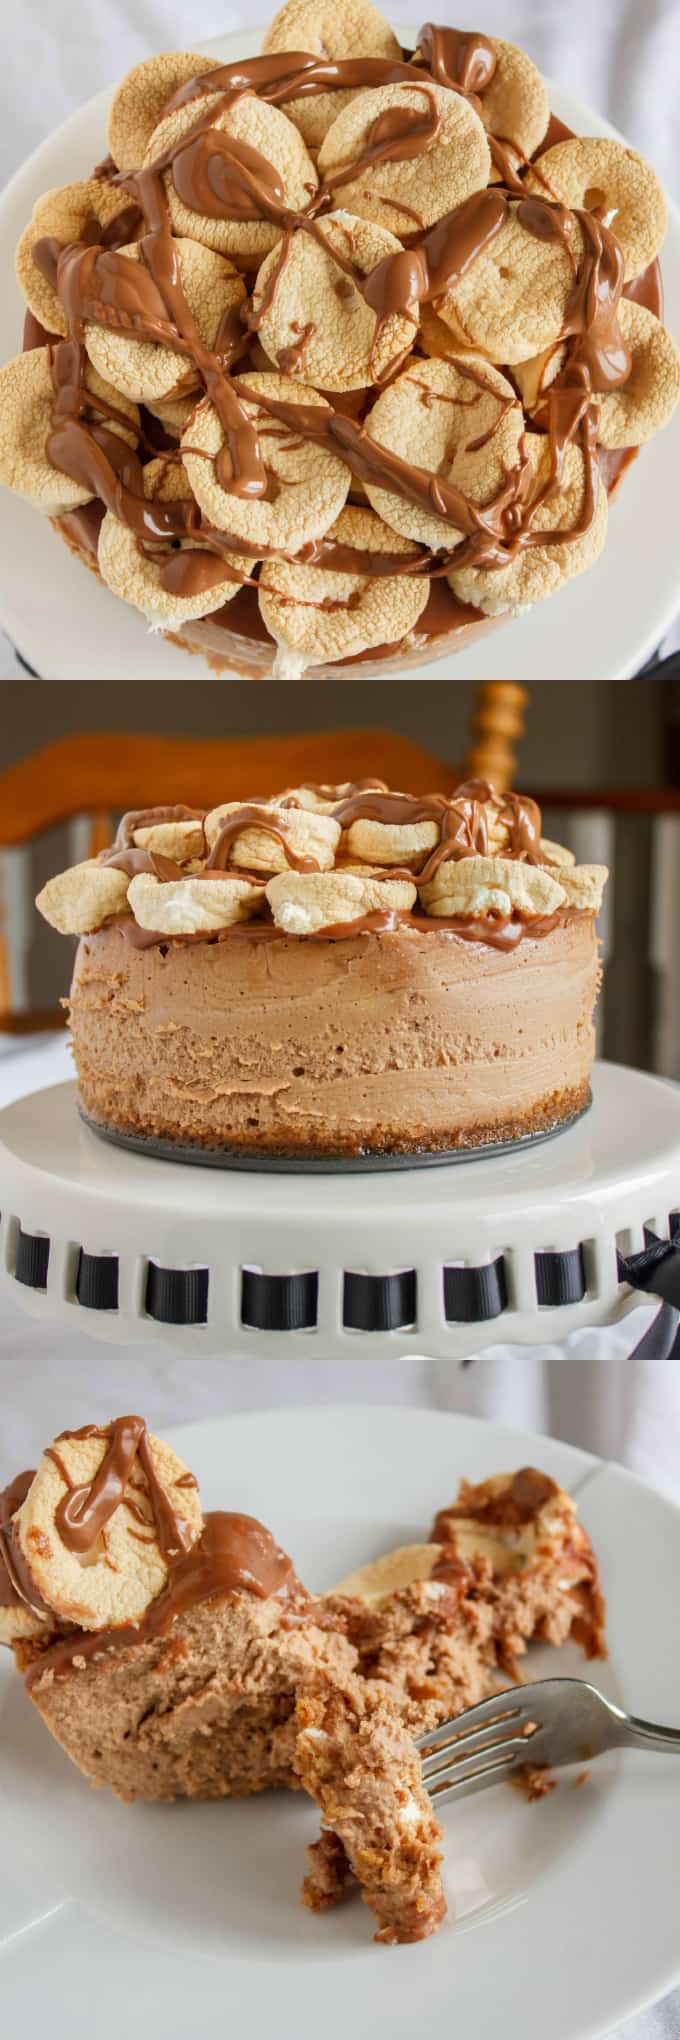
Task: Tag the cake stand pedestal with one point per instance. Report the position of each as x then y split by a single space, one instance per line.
439 1261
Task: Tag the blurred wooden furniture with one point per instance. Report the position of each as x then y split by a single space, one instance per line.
498 724
102 773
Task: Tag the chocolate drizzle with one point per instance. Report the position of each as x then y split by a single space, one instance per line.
234 1555
334 794
493 931
125 855
253 817
461 822
10 1500
462 830
84 1511
511 1506
214 173
134 861
151 817
465 62
282 75
397 135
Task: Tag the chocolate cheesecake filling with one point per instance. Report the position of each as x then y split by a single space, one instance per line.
363 1039
235 1554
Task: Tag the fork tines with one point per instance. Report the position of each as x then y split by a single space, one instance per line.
496 1737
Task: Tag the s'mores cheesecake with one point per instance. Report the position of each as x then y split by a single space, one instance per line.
523 1531
176 1654
338 970
422 1622
339 353
162 1647
506 1564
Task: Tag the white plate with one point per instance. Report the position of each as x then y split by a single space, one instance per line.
604 626
185 1920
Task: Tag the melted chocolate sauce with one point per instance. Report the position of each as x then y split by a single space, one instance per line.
131 862
647 289
514 1507
494 931
152 817
613 462
223 178
17 1585
10 1500
234 1555
398 135
336 793
460 822
84 525
252 817
283 75
34 334
83 1512
464 61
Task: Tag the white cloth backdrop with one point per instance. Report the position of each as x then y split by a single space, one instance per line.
630 1414
621 55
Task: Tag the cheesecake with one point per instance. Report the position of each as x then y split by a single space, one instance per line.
175 1653
337 971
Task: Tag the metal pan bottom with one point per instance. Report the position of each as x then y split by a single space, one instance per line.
320 1165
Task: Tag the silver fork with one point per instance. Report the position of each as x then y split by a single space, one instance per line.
554 1722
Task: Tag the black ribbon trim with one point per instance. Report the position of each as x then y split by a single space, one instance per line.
475 1295
97 1281
660 1341
279 1303
656 1270
32 1262
177 1296
560 1278
379 1303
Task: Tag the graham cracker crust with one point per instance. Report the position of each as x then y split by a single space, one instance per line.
552 1112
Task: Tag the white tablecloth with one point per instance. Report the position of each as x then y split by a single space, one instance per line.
620 55
627 1413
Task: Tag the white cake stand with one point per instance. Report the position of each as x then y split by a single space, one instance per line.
444 1261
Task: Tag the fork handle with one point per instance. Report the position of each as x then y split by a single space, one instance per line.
649 1735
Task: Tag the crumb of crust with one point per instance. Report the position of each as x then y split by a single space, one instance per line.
330 1877
533 1782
